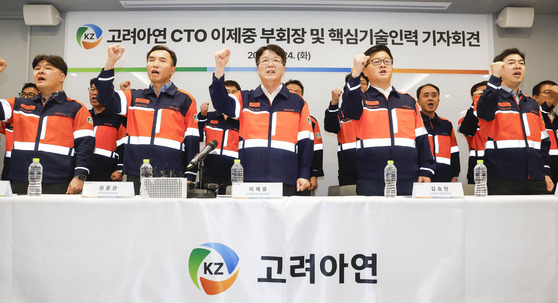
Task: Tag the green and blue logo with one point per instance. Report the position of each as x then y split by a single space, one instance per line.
213 267
89 35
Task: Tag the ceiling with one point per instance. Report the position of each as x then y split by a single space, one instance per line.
13 9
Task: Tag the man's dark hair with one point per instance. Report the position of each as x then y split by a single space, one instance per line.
27 85
232 83
274 48
537 88
164 48
92 81
378 48
507 52
296 82
425 85
54 60
476 86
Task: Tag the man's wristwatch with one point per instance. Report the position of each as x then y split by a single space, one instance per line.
81 177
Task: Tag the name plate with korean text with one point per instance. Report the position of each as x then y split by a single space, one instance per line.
438 190
5 189
257 190
107 189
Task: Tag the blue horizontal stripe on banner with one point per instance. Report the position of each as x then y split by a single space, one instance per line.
289 69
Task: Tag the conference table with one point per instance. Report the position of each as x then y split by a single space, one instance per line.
57 248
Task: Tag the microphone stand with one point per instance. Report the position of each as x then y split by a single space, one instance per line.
200 192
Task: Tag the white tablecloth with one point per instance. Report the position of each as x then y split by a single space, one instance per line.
313 249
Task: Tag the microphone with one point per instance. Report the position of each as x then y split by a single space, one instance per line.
201 155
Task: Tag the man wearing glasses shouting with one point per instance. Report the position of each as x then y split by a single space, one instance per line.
389 127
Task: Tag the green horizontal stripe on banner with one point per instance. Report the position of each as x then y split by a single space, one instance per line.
131 69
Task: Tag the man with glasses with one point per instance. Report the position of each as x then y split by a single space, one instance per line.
110 135
516 153
541 93
29 90
389 127
52 127
276 139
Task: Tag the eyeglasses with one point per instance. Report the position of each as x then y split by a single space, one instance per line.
378 62
92 89
27 95
275 61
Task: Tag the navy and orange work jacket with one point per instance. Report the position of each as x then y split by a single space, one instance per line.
318 159
551 125
517 145
443 146
345 128
387 129
275 140
7 129
59 133
214 126
110 136
161 127
475 136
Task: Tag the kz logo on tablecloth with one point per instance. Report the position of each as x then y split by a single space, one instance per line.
213 267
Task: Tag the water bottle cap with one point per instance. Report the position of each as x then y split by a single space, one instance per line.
390 162
236 160
145 160
36 160
480 161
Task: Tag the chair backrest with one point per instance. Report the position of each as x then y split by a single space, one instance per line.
347 190
333 190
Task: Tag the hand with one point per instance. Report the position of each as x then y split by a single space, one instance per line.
116 176
3 65
496 68
335 95
424 180
115 52
302 184
75 187
204 108
359 63
125 85
313 183
453 179
221 59
549 184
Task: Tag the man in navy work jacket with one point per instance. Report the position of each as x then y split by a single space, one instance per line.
389 127
276 139
52 127
160 119
516 153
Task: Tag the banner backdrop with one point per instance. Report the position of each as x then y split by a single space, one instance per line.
292 250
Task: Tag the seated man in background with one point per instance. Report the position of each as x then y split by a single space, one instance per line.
443 143
110 136
542 93
220 127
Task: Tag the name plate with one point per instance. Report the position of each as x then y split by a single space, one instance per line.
257 190
5 189
438 190
107 189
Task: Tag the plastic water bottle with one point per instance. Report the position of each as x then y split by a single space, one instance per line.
481 190
390 179
146 170
237 172
35 178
